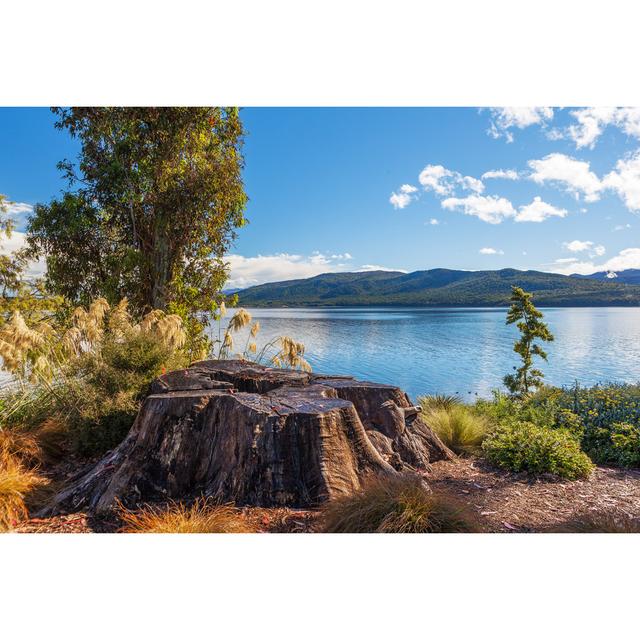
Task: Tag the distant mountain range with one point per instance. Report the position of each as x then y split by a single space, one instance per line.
447 287
629 276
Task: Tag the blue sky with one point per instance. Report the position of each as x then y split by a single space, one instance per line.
350 189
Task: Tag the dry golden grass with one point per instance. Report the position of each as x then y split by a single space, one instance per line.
599 522
21 445
399 504
16 482
200 517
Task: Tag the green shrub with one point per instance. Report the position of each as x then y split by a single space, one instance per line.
567 419
459 427
524 446
505 409
110 386
398 504
607 420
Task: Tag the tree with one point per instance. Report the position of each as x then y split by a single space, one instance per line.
529 322
153 206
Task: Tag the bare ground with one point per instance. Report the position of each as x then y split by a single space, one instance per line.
507 502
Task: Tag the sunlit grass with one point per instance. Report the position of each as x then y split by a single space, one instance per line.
398 504
177 517
459 427
16 481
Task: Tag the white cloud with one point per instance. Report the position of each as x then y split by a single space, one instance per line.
249 271
472 184
578 246
626 259
621 227
443 182
505 174
574 175
18 208
438 179
404 196
538 211
434 221
400 200
490 251
625 181
504 119
491 209
377 267
592 121
566 260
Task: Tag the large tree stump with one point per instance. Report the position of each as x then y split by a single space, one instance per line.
255 435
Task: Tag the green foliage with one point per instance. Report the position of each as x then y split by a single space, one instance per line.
506 409
567 419
528 319
606 419
524 446
461 428
86 256
158 196
109 386
398 504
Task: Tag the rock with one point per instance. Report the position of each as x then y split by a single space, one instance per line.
255 435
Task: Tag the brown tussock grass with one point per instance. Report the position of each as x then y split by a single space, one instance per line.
599 522
16 483
200 517
400 504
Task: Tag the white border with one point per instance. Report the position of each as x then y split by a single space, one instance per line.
334 52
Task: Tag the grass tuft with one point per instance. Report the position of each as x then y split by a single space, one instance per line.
399 504
177 517
599 522
16 482
439 401
459 427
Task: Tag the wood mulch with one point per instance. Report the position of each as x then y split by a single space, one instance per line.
511 502
506 502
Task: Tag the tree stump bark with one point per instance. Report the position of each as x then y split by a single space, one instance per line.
254 435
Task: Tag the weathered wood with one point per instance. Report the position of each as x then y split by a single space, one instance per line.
255 435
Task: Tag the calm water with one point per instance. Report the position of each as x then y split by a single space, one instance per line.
465 351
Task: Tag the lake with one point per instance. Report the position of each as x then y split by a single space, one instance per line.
455 350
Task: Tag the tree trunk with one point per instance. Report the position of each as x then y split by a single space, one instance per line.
245 433
161 269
